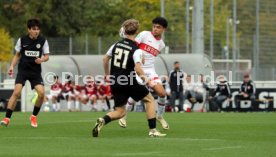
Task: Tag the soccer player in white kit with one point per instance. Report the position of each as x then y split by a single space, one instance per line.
152 44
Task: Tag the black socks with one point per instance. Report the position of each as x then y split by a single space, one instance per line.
36 110
9 113
152 123
107 119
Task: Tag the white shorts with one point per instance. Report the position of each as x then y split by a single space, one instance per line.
53 94
68 94
151 74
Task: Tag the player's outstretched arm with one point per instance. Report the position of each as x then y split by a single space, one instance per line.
106 59
15 59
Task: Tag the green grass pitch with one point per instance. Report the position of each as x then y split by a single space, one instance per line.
190 135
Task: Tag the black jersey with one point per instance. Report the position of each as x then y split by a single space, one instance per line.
30 50
248 87
122 65
176 80
122 62
223 88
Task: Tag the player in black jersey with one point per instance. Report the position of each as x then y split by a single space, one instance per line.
126 59
31 51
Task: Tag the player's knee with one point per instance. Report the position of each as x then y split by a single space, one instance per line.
162 94
123 113
40 94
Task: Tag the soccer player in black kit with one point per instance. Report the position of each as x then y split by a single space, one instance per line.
31 51
126 59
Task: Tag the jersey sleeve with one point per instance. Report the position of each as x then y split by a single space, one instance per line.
138 56
162 46
18 45
45 48
140 37
109 52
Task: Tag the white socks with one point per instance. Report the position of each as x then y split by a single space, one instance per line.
161 106
77 105
130 103
69 105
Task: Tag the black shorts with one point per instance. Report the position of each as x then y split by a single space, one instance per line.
36 79
121 93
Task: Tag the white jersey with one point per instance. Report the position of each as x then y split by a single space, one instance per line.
151 47
199 87
188 86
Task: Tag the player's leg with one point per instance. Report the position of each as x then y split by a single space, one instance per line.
118 113
123 121
160 91
12 104
101 103
142 93
120 99
69 102
172 100
93 100
77 102
220 99
237 100
105 106
40 97
59 97
107 98
150 111
54 102
181 101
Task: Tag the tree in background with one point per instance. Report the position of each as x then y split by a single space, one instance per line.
5 46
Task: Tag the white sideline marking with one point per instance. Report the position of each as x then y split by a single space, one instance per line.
76 121
61 122
193 139
136 154
221 148
38 138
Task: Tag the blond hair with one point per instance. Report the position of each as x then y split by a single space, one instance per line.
130 26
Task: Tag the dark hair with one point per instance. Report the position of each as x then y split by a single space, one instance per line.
33 23
161 21
176 62
55 77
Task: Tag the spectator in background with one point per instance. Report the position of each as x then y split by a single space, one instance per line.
68 92
90 88
55 94
221 94
102 90
247 91
189 90
200 89
176 85
77 91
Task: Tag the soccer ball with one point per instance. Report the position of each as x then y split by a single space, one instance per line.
46 109
187 108
176 109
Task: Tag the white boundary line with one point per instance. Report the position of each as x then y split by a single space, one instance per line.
136 154
221 148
